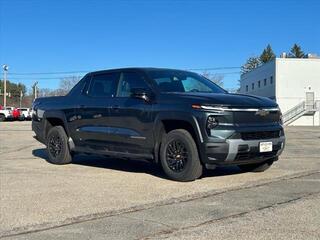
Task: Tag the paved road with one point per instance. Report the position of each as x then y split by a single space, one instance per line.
107 198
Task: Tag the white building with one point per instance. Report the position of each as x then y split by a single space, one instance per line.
294 83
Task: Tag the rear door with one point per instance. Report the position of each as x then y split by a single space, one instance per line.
131 119
93 112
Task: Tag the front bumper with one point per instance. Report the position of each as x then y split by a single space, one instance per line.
239 151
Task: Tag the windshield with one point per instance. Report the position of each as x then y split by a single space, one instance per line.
182 81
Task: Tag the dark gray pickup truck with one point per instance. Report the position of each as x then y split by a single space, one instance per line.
177 119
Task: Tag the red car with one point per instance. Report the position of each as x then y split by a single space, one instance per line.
16 113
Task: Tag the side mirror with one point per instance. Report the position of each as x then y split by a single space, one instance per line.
141 93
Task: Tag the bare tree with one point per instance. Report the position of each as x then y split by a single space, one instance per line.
45 92
67 83
214 77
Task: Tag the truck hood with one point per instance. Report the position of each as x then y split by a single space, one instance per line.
227 99
52 100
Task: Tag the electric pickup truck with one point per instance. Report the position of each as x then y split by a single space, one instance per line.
177 119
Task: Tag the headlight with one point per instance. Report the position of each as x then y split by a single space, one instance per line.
212 122
280 118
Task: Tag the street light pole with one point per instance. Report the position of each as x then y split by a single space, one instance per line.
5 70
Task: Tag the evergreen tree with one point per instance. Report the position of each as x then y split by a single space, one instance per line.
14 91
252 63
296 52
267 54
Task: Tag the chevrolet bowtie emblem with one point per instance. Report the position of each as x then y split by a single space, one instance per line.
262 112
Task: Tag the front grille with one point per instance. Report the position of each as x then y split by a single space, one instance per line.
260 135
252 118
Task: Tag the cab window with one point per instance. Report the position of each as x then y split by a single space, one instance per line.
103 85
128 81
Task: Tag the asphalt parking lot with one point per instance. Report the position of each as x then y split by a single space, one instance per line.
100 198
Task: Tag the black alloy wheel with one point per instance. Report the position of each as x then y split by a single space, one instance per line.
55 145
177 155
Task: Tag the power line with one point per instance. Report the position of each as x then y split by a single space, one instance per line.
212 68
42 78
61 77
49 73
86 71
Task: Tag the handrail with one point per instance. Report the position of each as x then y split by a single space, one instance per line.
296 110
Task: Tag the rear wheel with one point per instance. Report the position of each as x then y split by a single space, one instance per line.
257 167
2 118
57 146
179 156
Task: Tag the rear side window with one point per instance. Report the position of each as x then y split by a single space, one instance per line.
128 81
103 85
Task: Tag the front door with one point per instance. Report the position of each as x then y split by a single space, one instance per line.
131 119
309 100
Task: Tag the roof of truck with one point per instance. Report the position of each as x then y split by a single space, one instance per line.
136 69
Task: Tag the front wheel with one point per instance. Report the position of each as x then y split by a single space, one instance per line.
57 146
179 156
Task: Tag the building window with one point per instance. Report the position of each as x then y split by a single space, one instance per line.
271 80
247 89
252 86
259 84
265 82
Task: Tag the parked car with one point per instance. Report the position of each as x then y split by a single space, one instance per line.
6 113
26 113
178 119
16 113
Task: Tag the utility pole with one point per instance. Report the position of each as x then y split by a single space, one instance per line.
21 95
5 70
35 91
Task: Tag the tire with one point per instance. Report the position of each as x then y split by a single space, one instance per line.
179 156
2 118
258 167
57 146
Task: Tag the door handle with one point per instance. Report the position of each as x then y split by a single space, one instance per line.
115 107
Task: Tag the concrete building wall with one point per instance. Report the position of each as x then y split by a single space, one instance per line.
264 74
295 77
292 78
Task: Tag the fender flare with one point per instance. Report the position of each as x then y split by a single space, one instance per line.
177 116
55 114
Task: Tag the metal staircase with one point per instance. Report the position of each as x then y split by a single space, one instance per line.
302 109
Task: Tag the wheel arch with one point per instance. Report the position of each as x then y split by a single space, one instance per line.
3 116
166 122
54 118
